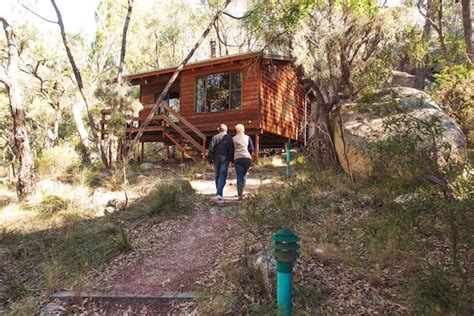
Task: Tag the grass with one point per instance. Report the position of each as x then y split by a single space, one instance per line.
59 256
423 243
58 163
167 198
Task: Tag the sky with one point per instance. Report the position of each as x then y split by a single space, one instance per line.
78 16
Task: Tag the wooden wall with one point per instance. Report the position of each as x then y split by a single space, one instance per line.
248 114
272 99
282 99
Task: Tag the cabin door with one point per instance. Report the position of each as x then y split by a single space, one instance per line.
172 101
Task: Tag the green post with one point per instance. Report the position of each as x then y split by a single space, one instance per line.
285 250
288 159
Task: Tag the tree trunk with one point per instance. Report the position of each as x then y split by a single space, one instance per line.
22 143
467 25
422 71
81 131
80 85
113 142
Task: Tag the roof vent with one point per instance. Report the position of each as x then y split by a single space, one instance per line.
212 42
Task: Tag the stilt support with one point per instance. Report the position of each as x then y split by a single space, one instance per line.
257 147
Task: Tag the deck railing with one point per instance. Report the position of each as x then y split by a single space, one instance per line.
177 130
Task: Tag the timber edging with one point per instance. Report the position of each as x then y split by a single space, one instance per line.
143 298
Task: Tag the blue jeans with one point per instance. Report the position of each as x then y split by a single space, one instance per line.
242 165
220 169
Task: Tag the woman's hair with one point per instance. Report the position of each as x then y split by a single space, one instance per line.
240 128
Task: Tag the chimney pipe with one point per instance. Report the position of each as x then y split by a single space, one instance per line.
212 42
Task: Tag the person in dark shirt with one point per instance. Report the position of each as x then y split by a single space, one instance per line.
221 153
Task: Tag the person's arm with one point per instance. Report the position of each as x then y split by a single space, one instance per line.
230 150
250 146
210 153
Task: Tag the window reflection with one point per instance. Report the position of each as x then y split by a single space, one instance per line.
218 92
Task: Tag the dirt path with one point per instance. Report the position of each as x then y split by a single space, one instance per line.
193 248
170 256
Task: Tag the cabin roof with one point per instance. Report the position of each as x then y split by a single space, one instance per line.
208 62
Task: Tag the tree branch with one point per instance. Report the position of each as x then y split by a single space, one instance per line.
173 78
38 15
124 42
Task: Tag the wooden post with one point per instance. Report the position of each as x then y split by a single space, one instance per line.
167 152
182 156
257 147
142 153
204 152
120 150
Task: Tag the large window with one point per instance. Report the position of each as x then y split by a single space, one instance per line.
219 92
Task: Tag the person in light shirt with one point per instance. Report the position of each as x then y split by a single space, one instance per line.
243 150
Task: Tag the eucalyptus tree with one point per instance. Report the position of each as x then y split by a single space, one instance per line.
9 76
342 47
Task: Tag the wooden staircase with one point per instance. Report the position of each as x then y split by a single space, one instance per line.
195 148
175 130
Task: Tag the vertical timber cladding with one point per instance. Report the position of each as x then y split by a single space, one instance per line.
248 114
282 99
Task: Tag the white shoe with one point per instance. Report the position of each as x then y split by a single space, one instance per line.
219 198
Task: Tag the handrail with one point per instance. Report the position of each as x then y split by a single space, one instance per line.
181 147
138 119
185 121
183 133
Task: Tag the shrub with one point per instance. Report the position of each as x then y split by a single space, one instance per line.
14 287
123 241
53 276
168 198
52 204
93 177
57 162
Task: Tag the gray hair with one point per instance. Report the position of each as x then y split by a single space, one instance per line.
222 128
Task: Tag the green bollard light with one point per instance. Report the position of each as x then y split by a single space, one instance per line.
288 159
285 250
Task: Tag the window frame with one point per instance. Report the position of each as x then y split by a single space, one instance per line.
196 78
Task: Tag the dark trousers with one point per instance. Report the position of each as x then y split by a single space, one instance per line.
242 165
220 169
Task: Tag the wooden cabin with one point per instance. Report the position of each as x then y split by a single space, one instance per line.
261 91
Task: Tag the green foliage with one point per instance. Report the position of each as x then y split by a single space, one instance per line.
250 291
23 307
434 290
307 299
413 46
14 287
289 205
360 7
413 150
169 198
51 204
430 236
455 93
193 171
94 175
124 243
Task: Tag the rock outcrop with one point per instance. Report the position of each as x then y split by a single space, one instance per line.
363 127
